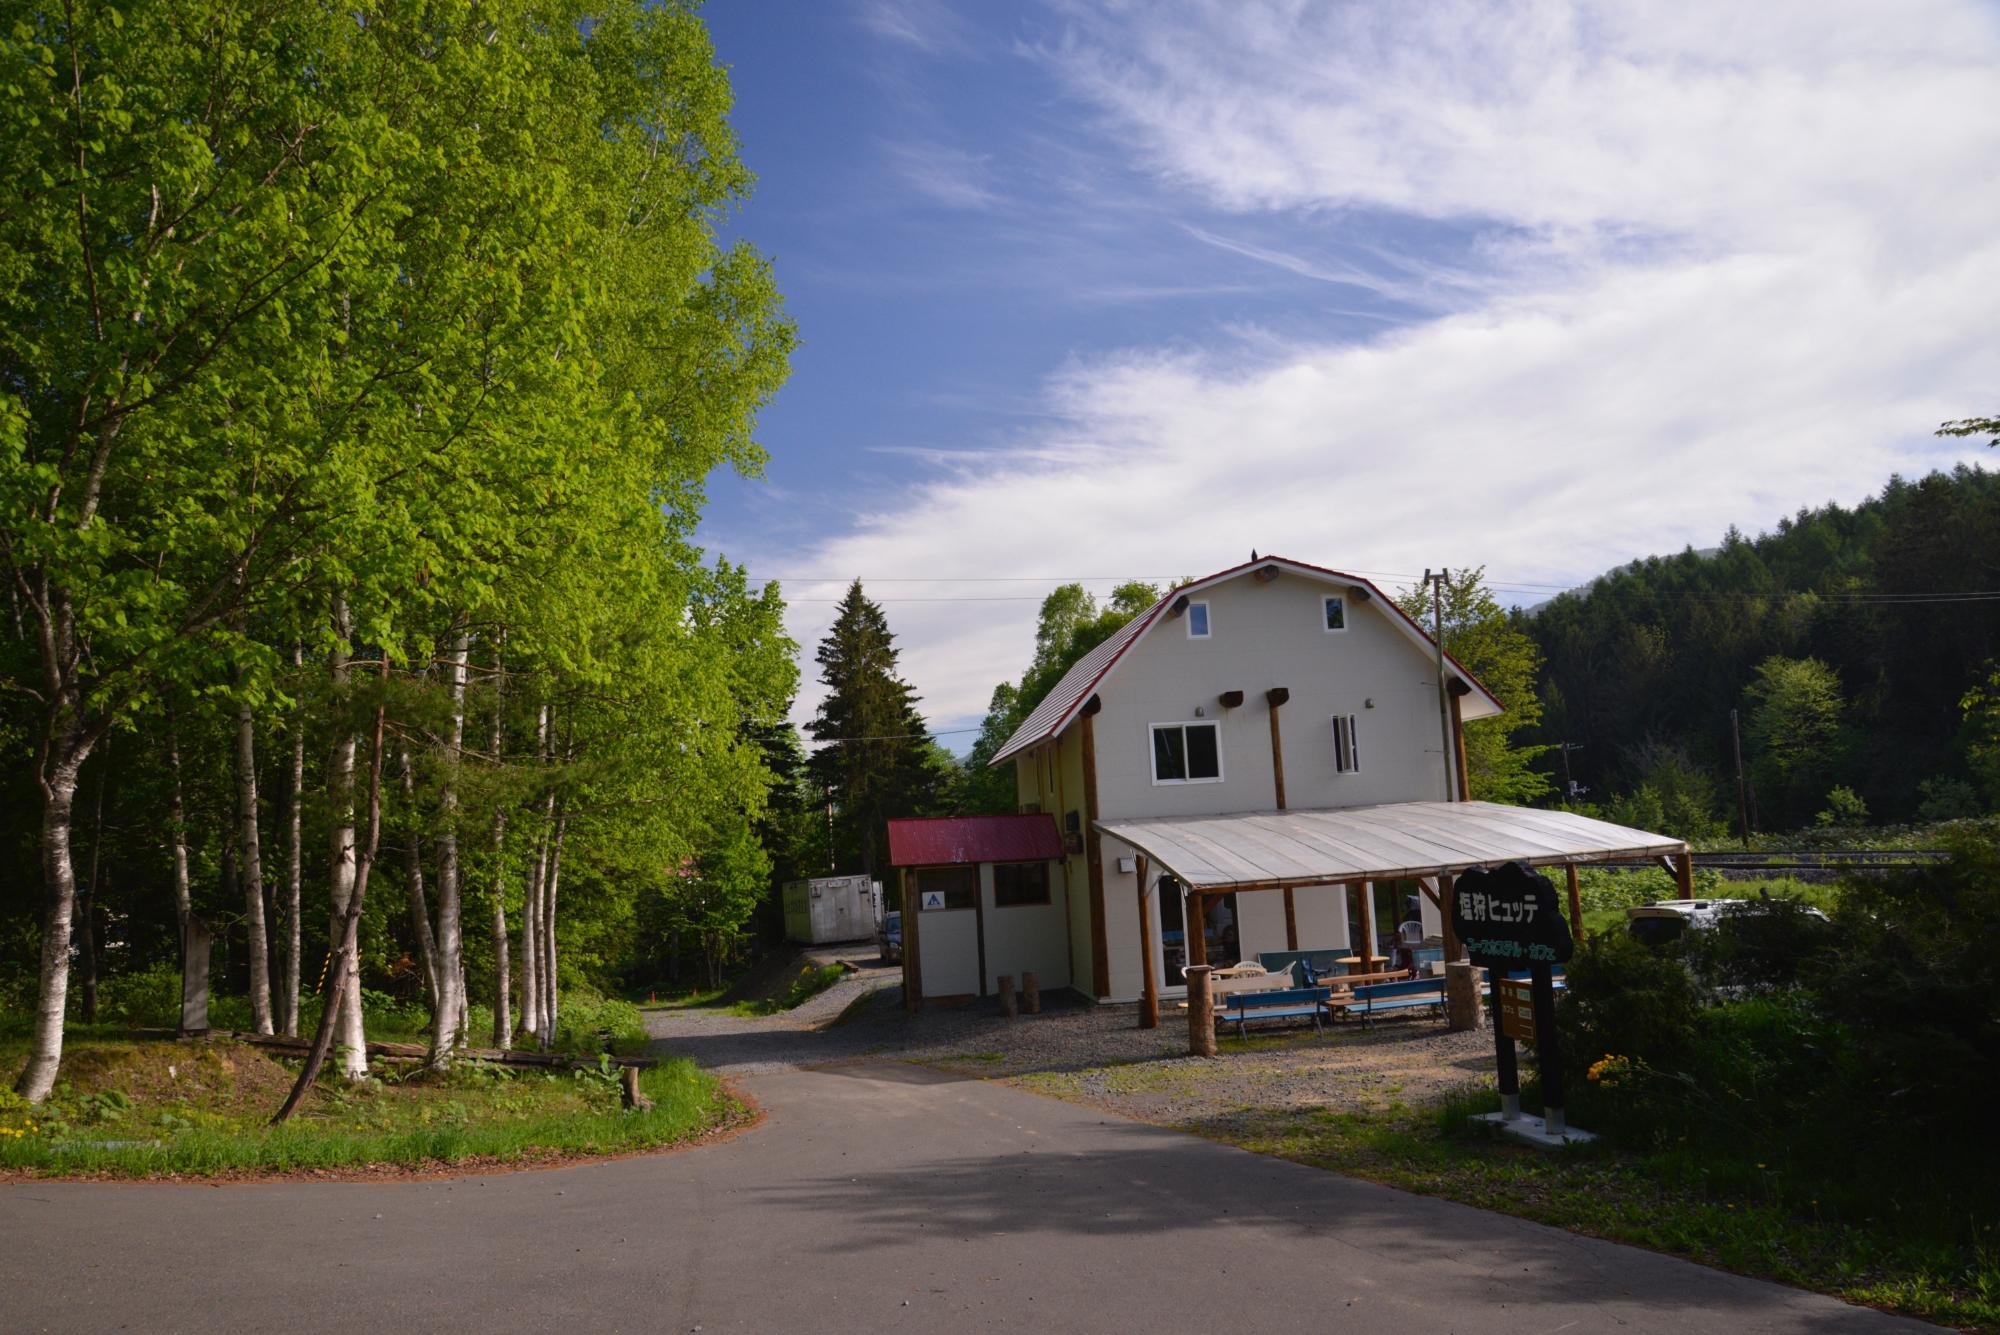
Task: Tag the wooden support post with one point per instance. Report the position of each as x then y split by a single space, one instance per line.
913 959
1149 990
1368 948
1093 851
1276 697
1201 1012
1196 935
1291 921
1575 901
1684 873
1458 747
1007 1006
1447 897
1031 993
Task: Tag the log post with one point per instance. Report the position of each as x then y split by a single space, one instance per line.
1197 930
1149 989
1093 848
629 1092
1201 1012
1684 873
1461 996
1447 899
1031 993
1007 1006
1575 901
1367 891
1458 743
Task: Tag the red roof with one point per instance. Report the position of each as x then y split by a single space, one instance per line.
937 840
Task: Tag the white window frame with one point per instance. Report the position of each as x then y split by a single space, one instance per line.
1340 598
1153 755
1207 630
1346 745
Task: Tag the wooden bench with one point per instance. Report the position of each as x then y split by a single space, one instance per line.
1372 999
1291 1003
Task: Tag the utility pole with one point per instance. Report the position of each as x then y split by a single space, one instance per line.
1570 790
1436 583
1742 791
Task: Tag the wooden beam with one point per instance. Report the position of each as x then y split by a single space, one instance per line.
913 960
1291 921
1428 885
1093 851
1684 873
1447 895
1367 925
1458 747
1149 993
1196 925
1575 901
1277 758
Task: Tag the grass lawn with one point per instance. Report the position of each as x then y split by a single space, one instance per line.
1719 1213
159 1108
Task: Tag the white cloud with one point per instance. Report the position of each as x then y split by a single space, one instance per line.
1739 259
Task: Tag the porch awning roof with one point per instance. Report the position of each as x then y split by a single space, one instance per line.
1270 849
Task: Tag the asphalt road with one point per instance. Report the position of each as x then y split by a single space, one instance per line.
876 1196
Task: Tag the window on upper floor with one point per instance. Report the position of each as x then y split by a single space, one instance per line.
1020 884
1346 751
1187 753
1333 612
1197 619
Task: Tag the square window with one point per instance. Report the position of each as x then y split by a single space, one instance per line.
1197 615
1334 609
1187 753
958 885
1020 884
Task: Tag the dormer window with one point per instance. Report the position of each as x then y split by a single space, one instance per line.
1197 619
1333 612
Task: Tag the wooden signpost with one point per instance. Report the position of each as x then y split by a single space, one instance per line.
1510 918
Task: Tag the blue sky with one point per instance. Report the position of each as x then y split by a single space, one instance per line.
1117 289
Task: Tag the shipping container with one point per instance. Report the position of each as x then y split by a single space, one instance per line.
830 908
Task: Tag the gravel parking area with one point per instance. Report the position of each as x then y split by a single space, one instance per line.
1095 1054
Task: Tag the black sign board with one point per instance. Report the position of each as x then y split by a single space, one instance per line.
1510 918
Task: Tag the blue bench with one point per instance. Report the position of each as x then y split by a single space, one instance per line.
1285 1003
1372 999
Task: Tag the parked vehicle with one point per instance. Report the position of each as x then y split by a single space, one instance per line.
889 937
1657 924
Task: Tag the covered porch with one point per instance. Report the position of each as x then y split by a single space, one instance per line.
1429 843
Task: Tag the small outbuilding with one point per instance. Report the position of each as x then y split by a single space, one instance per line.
982 897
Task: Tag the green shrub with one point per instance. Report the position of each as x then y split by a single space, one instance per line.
147 999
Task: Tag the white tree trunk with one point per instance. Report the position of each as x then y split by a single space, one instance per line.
288 997
252 868
413 881
59 876
448 1020
344 989
503 1010
531 949
550 972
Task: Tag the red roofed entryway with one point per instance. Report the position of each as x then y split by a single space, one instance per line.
983 898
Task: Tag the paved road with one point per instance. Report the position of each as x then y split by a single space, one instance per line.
877 1196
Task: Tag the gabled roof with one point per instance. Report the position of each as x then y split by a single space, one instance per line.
934 841
1060 705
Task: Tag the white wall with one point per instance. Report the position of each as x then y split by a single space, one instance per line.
1261 636
1026 938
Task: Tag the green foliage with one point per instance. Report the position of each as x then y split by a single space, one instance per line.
1495 648
1981 709
1665 648
1844 807
1793 729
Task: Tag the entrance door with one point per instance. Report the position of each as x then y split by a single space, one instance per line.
1220 934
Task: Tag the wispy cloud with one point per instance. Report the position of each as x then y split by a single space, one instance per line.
932 27
944 175
1723 260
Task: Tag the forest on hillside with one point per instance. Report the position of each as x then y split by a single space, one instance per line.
1857 645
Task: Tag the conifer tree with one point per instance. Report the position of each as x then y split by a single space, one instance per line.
874 760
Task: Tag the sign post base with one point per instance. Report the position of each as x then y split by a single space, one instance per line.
1532 1130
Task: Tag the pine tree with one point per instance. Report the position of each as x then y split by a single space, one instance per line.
873 760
